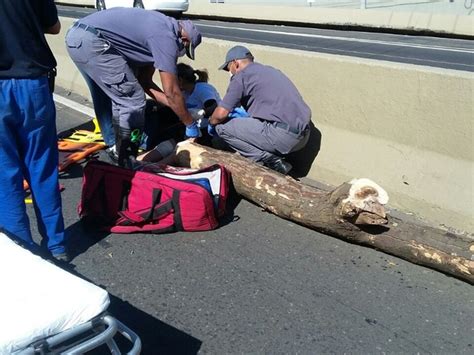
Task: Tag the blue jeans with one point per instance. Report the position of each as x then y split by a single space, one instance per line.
29 149
102 108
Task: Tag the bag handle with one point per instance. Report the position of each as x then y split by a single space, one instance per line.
149 215
122 211
155 200
126 187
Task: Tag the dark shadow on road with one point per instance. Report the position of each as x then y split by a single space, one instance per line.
73 171
81 237
88 126
304 158
157 337
233 201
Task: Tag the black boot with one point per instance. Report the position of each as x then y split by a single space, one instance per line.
112 151
127 152
127 146
279 165
113 154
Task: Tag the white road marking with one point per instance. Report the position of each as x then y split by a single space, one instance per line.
368 41
74 105
368 55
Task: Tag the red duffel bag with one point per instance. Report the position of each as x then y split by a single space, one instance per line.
158 199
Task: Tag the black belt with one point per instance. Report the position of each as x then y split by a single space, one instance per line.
87 28
286 127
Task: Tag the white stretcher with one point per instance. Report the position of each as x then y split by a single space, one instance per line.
45 309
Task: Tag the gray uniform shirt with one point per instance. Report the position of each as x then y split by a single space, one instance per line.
143 37
266 93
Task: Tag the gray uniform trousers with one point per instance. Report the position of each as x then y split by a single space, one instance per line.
260 141
95 56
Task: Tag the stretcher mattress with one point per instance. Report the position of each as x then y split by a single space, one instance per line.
38 299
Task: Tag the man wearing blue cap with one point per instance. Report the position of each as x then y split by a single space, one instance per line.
117 51
279 118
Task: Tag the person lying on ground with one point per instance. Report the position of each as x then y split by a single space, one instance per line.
201 99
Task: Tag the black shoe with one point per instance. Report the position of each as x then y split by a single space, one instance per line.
127 151
280 166
112 153
62 257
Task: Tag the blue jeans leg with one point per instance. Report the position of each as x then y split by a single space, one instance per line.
28 148
13 217
102 108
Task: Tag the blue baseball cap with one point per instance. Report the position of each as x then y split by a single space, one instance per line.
237 52
193 34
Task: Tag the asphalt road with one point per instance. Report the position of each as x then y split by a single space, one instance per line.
261 284
446 53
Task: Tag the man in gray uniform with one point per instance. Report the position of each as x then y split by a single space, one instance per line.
279 122
118 50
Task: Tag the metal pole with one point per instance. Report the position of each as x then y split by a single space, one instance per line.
363 4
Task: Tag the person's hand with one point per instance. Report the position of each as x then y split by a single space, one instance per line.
211 129
196 113
238 112
192 131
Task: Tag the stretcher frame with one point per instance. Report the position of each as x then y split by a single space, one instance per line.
102 337
99 329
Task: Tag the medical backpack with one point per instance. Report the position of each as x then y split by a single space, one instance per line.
155 198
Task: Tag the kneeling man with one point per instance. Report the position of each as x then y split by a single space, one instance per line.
279 118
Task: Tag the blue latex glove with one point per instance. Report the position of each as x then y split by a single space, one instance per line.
193 131
238 112
211 129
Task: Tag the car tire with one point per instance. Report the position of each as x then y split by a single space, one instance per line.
139 4
100 5
175 14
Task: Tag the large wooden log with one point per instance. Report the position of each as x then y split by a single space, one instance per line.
353 212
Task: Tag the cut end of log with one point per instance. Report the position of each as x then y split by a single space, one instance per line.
189 154
365 202
363 190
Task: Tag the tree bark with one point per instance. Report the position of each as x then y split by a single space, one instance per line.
353 211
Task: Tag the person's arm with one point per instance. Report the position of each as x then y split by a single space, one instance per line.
165 54
209 107
207 97
175 97
219 115
145 78
49 17
53 30
231 99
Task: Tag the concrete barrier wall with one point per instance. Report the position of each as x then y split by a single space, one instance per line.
407 127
